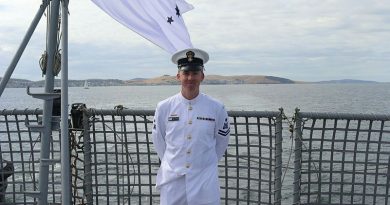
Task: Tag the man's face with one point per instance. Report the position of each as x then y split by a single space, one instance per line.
190 79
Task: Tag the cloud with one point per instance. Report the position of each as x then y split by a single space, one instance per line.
300 40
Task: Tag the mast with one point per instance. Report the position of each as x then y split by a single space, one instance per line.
46 132
66 179
46 128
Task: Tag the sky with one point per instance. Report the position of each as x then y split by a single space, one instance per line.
302 40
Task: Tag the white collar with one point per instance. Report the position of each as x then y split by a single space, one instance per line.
192 101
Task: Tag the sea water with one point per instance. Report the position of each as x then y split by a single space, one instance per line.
341 98
346 98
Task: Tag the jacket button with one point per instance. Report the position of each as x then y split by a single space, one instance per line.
189 152
189 137
188 165
190 122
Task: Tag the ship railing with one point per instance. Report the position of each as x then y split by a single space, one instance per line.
342 158
310 158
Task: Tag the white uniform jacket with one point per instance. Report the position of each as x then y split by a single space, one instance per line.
190 136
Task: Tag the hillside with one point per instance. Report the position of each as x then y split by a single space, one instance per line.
171 80
213 79
346 81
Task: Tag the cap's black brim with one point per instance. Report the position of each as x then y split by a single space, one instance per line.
191 68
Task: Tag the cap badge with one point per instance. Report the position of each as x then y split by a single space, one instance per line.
190 56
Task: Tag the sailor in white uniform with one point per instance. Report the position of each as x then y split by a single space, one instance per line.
190 133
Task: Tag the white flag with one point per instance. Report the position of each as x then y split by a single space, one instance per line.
159 21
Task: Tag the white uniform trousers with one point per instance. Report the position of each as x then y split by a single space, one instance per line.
174 193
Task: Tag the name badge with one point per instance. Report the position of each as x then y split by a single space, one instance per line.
173 118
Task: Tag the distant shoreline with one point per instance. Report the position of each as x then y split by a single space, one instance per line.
171 80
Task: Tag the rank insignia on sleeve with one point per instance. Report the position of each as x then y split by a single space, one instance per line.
225 125
225 130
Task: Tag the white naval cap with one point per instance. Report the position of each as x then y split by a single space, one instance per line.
191 59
